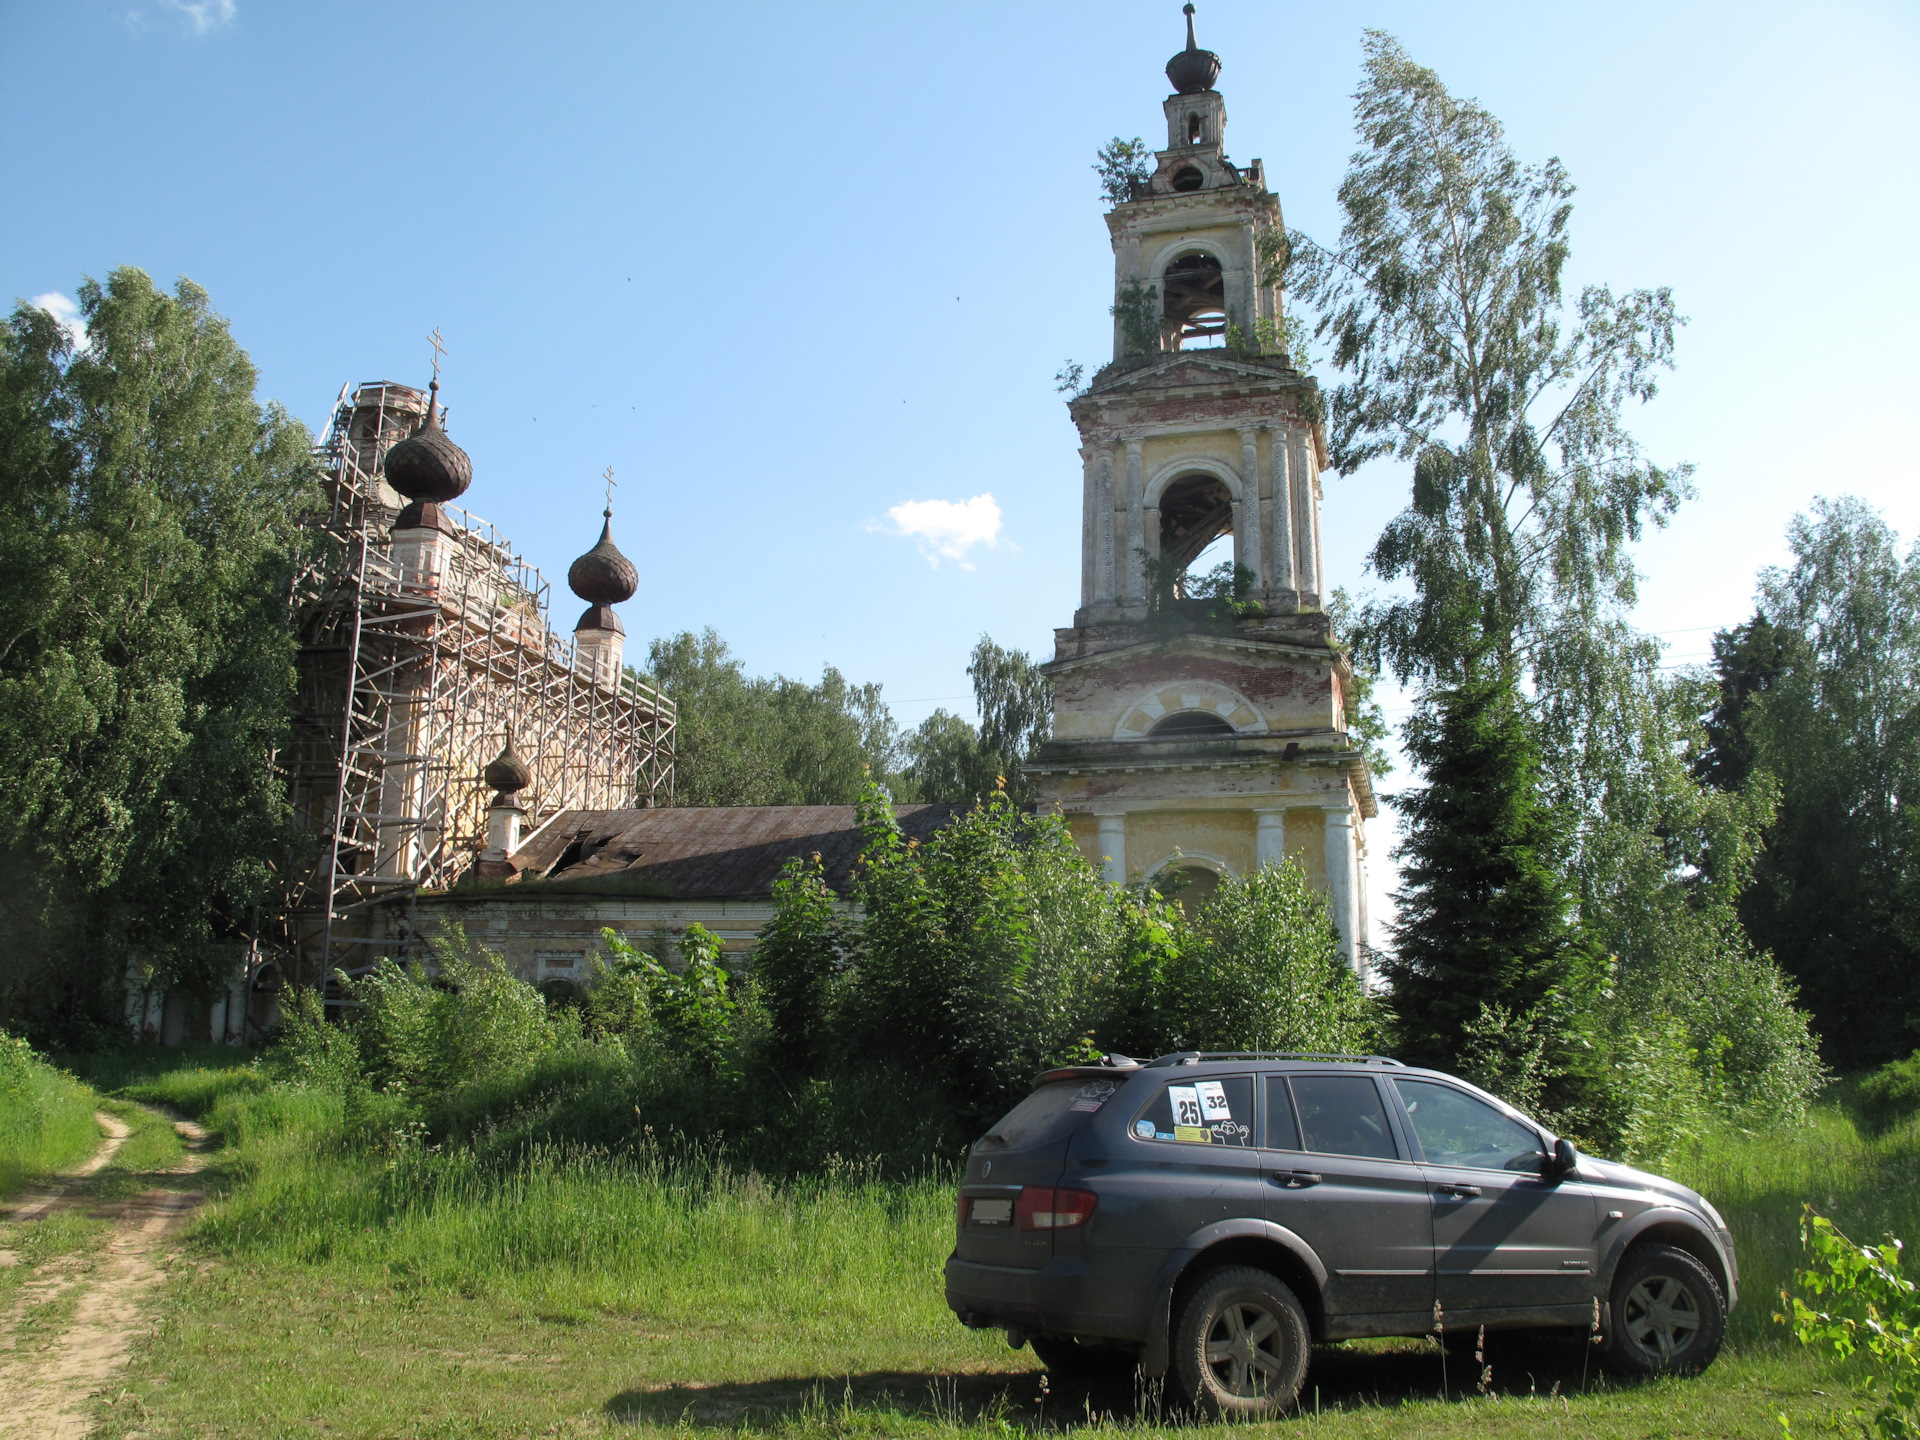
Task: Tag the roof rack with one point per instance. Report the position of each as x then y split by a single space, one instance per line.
1196 1057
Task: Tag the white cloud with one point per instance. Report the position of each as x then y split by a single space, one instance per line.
202 16
946 529
66 313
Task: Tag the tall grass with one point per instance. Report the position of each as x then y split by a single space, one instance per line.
1869 1185
46 1116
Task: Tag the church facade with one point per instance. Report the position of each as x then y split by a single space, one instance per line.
1189 741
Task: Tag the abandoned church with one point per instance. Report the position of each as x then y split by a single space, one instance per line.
459 759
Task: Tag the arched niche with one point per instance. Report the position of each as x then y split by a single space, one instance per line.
1179 697
1189 877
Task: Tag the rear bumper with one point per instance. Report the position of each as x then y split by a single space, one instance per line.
1060 1298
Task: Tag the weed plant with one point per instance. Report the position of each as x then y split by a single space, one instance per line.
46 1116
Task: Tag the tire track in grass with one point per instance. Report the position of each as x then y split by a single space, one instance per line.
44 1389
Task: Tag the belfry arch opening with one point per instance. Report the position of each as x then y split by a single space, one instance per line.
1195 302
1190 725
1189 886
1195 511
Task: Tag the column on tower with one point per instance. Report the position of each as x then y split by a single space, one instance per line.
1113 847
1285 585
1340 879
1136 520
1306 528
1090 525
1108 589
1246 514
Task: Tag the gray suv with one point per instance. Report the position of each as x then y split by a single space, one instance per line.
1214 1215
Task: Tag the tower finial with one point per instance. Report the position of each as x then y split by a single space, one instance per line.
440 348
1193 70
611 482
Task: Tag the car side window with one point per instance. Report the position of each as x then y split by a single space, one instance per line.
1282 1132
1456 1129
1343 1115
1200 1112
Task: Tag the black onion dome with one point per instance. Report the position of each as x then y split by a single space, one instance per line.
427 465
1193 69
603 576
507 772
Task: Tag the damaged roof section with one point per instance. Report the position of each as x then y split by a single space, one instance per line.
705 853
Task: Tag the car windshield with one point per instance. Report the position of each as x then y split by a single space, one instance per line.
1049 1112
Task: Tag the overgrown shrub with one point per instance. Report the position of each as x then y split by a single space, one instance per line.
1865 1302
1260 969
1892 1092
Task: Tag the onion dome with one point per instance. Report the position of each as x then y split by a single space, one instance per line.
507 772
603 577
1193 69
427 467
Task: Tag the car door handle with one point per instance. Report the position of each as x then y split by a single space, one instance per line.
1297 1179
1463 1192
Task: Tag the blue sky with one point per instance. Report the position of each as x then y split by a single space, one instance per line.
789 267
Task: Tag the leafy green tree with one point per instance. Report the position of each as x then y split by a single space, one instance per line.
1443 307
796 965
745 740
1124 168
950 762
148 535
1484 915
1260 968
1836 724
946 762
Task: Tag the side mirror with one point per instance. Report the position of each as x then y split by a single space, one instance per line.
1566 1159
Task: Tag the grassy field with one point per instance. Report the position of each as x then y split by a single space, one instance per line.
398 1289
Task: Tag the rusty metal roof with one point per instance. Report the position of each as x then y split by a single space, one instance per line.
707 853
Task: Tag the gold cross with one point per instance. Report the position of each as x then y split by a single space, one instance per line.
439 349
611 482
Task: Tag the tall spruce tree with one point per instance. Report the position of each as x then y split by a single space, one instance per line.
1484 916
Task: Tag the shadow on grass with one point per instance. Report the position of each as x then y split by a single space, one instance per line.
1341 1377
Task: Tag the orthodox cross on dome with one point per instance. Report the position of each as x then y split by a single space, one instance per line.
439 350
611 482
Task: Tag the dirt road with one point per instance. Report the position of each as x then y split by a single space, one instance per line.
67 1332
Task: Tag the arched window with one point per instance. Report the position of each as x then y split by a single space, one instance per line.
1189 725
1195 510
1196 302
1188 177
1190 886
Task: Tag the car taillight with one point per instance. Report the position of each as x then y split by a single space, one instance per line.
960 1211
1053 1207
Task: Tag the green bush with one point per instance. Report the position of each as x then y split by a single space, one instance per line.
46 1116
1892 1092
1862 1302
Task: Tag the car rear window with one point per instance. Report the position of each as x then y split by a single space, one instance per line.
1214 1111
1049 1112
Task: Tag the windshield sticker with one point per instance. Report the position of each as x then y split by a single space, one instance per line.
1097 1090
1085 1105
1213 1102
1192 1135
1144 1129
1231 1132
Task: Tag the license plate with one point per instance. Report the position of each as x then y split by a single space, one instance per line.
992 1212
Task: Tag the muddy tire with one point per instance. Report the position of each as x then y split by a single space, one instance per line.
1668 1314
1240 1345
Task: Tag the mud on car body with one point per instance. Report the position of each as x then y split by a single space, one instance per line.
1207 1217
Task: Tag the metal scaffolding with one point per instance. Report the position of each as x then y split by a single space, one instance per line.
409 677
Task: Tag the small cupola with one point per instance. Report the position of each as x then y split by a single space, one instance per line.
1193 70
430 470
507 774
603 577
